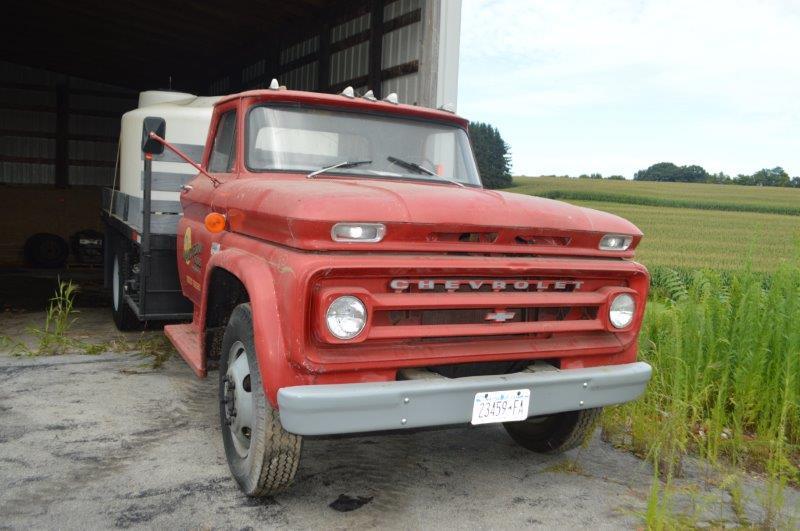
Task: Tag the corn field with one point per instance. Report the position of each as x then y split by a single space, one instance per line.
732 198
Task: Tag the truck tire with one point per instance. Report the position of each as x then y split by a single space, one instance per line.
46 250
262 456
554 434
123 314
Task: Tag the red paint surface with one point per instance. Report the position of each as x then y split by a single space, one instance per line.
277 242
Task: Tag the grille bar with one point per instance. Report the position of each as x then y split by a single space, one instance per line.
454 330
439 301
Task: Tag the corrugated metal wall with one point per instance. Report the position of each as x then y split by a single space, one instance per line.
299 50
400 7
350 28
402 46
299 62
350 63
30 130
303 77
37 126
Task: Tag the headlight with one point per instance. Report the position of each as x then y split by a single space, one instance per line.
621 311
358 232
346 317
615 242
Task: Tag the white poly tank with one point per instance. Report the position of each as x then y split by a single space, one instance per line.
187 117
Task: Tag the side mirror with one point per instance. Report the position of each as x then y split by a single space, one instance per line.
153 124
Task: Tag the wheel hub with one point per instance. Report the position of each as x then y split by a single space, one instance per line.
238 398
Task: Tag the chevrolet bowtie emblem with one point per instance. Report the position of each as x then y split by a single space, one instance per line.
499 316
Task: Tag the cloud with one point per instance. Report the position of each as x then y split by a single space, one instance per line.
627 83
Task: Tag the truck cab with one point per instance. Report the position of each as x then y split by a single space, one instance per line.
347 272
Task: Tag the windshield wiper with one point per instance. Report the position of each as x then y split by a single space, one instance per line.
343 164
420 169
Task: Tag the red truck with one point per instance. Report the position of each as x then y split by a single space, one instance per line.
347 272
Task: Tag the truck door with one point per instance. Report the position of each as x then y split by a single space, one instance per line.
203 196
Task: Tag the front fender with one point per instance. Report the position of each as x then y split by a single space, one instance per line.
256 275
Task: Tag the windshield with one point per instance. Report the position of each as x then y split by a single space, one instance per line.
309 139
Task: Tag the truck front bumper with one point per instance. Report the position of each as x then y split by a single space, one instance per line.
378 406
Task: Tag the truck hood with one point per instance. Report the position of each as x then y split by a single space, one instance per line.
419 216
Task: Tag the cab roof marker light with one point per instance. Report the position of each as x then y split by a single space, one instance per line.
392 98
348 92
615 242
370 96
358 232
274 85
448 107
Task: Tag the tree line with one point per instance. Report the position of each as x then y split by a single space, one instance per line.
493 157
669 172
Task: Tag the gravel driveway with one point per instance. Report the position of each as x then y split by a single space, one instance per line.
106 441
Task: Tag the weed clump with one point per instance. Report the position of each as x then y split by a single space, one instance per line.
58 320
53 338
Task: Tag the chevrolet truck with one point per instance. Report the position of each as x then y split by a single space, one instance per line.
339 263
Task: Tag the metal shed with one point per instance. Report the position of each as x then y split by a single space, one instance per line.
69 70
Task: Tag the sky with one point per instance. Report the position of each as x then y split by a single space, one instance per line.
614 86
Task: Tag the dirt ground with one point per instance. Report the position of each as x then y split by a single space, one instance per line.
107 441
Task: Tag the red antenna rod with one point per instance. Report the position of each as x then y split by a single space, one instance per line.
185 158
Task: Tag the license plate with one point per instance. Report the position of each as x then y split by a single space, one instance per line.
501 406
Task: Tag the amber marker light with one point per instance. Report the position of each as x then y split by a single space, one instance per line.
215 222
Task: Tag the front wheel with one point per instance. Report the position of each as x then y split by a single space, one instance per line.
262 456
554 434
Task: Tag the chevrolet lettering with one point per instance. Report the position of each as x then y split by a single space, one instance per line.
400 285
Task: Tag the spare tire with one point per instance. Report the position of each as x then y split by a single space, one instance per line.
46 250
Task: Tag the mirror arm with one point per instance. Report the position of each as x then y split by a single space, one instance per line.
184 157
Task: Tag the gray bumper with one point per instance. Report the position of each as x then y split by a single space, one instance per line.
364 407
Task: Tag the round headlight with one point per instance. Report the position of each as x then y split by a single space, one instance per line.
346 317
621 311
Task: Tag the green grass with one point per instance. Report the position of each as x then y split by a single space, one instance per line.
768 200
726 382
